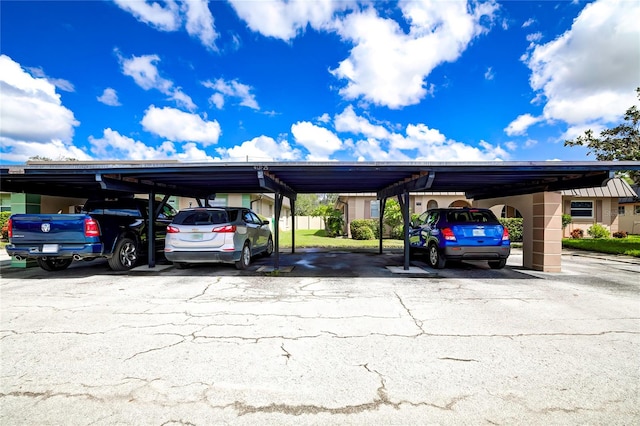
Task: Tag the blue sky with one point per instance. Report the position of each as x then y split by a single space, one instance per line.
313 80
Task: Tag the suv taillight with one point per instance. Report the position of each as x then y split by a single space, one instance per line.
505 235
172 230
226 228
91 228
448 235
10 228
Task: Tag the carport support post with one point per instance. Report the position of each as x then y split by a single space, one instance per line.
403 199
383 204
276 237
151 232
293 225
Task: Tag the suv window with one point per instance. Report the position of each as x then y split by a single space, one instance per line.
471 216
201 217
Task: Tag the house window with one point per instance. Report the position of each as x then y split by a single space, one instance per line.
621 210
636 209
375 209
582 209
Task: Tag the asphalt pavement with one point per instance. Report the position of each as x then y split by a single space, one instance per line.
332 337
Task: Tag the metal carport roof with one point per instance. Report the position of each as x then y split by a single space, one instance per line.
478 180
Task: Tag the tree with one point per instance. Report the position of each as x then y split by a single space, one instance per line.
306 204
393 218
620 143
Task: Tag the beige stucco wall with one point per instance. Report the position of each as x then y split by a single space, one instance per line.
605 212
630 221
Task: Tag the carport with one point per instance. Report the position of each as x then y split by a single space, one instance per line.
482 181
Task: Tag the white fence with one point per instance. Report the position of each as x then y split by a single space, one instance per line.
302 222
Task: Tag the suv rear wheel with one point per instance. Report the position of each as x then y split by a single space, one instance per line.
497 264
245 257
436 260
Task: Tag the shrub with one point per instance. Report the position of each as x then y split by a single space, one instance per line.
4 219
514 226
620 234
566 219
598 231
361 230
335 225
577 233
397 232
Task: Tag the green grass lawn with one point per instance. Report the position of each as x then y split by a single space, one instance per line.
317 238
629 246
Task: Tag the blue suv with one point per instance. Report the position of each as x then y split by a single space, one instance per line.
460 234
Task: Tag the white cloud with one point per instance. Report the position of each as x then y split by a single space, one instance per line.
320 142
145 73
262 148
200 22
181 126
520 125
434 146
60 83
418 142
489 74
589 73
18 151
528 23
170 17
109 97
33 119
349 122
113 145
286 19
164 18
233 89
388 66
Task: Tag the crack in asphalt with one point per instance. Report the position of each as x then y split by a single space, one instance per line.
417 322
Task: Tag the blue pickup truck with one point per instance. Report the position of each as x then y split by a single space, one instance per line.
115 229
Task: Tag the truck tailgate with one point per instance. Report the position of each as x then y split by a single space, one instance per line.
59 228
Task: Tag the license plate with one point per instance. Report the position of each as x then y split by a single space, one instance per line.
478 232
196 237
49 248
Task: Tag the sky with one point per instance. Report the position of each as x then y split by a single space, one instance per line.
313 80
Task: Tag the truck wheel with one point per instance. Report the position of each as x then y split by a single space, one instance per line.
436 260
125 255
54 264
245 257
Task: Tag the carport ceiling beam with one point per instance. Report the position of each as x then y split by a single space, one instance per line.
133 185
271 183
418 182
559 183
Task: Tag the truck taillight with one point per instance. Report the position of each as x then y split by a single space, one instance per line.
225 229
91 228
448 234
505 235
172 230
10 228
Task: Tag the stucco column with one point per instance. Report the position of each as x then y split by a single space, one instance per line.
547 232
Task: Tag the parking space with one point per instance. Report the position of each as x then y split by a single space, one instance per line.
331 338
